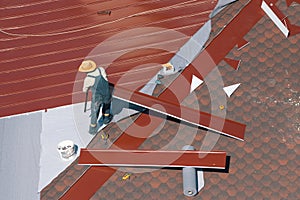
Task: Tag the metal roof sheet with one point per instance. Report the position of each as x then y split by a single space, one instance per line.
44 42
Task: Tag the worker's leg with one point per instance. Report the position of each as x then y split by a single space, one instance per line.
106 113
106 108
95 109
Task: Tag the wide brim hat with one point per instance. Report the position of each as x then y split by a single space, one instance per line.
168 65
87 66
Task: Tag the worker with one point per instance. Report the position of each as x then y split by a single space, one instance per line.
96 80
167 69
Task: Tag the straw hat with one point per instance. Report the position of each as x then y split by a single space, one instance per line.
168 66
87 66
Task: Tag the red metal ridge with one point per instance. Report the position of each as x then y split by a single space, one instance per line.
198 118
151 158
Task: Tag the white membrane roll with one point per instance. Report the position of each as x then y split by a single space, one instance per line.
189 175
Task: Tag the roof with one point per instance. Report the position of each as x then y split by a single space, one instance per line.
44 42
264 166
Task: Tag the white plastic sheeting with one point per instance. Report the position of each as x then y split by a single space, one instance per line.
63 123
20 156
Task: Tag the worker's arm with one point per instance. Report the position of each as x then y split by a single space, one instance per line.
103 73
88 82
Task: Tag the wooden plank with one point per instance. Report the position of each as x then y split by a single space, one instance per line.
151 158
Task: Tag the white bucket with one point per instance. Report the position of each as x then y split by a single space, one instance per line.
66 149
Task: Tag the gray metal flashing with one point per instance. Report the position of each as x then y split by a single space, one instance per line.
191 49
220 6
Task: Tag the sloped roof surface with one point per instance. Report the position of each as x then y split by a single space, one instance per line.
265 165
44 42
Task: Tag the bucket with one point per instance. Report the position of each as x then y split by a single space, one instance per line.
66 149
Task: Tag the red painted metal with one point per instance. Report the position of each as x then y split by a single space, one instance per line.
150 158
231 35
289 2
171 108
41 41
242 43
84 189
233 63
293 29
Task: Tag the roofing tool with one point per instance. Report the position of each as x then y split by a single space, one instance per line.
158 81
104 12
159 76
104 137
86 99
126 176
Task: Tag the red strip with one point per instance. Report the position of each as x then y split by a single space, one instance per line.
206 120
148 158
233 63
85 186
242 43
